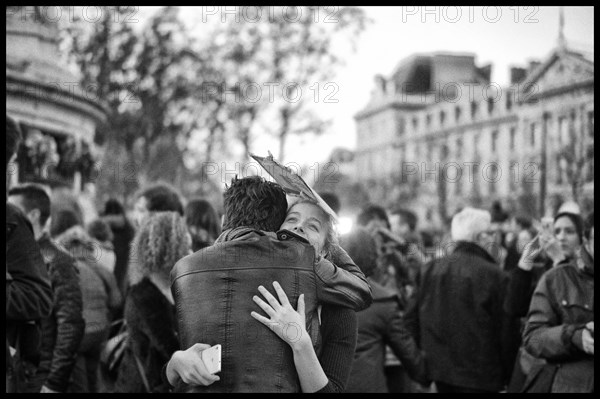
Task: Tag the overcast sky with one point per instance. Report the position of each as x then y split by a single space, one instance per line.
502 36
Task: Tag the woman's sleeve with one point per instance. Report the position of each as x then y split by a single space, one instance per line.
339 333
545 334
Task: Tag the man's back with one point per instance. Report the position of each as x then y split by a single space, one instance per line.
460 318
213 290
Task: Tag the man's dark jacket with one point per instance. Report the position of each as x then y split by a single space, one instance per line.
379 325
28 289
62 332
457 317
213 290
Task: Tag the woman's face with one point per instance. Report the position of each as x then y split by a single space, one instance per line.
308 221
566 234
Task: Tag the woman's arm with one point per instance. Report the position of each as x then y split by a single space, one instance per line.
290 325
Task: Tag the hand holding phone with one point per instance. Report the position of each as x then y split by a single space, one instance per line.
212 358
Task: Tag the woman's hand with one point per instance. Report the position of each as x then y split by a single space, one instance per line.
188 366
530 252
287 323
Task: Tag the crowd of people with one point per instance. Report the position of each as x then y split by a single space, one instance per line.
130 301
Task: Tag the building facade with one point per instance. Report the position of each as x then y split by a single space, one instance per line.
438 135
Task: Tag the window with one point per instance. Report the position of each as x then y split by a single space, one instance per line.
490 105
494 141
493 177
563 131
457 112
401 126
415 123
428 122
513 132
459 146
532 135
442 118
473 109
509 95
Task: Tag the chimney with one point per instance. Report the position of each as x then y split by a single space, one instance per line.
486 72
533 65
517 75
380 84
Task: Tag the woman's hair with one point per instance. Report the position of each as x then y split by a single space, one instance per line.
160 242
200 213
576 220
330 224
62 220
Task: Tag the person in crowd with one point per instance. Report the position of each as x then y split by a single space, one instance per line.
518 226
101 297
560 321
203 223
392 273
62 332
122 233
332 200
150 315
99 230
159 197
29 295
253 209
456 314
379 325
541 254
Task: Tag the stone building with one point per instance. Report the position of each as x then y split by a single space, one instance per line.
58 117
438 135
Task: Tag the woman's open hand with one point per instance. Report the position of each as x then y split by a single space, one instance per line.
287 323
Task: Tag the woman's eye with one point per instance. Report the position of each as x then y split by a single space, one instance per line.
290 220
314 227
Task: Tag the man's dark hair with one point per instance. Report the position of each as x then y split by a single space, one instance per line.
332 200
254 202
34 197
370 212
588 225
408 216
162 197
13 138
63 220
524 221
113 207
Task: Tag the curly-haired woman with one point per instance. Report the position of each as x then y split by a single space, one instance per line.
160 242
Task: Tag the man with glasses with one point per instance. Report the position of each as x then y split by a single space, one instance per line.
456 313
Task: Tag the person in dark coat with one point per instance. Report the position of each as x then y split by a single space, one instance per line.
379 325
456 314
539 255
123 233
62 332
560 321
149 308
28 289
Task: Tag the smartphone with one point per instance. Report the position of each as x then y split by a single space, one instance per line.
212 358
